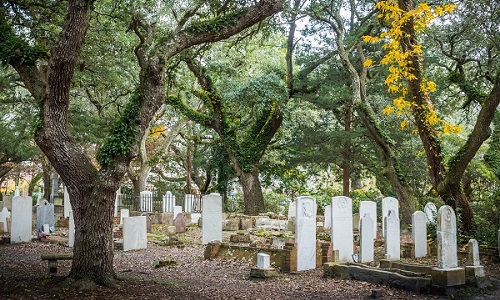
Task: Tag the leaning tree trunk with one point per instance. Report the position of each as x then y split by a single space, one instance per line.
252 192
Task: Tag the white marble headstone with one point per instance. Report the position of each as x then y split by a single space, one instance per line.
146 199
430 211
212 218
71 230
263 261
67 203
419 233
177 210
342 232
4 214
124 213
369 207
134 233
392 236
473 253
366 251
446 238
389 203
305 233
328 217
117 203
22 216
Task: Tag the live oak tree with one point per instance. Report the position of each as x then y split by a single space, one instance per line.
47 70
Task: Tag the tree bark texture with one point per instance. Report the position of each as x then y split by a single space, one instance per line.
252 190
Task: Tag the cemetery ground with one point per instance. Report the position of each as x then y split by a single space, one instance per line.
181 272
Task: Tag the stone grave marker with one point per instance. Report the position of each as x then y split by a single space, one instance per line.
212 218
191 203
117 202
419 233
369 207
4 214
473 267
263 261
389 203
71 230
180 223
342 229
392 236
305 233
430 211
168 202
447 238
124 213
134 233
146 199
447 272
21 217
328 217
67 203
366 252
45 215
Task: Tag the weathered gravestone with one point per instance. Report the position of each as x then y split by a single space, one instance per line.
389 203
134 233
473 267
180 223
355 221
146 200
392 236
369 207
21 219
117 202
342 232
447 272
366 251
45 215
419 233
67 203
430 211
71 230
168 202
305 233
212 218
7 202
4 214
328 217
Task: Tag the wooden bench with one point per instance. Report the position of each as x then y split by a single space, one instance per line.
52 259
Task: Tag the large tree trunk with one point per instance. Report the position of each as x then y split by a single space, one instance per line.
252 192
93 251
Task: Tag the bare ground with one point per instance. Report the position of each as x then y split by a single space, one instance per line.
23 275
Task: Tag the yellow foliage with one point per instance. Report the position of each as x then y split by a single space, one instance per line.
368 63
